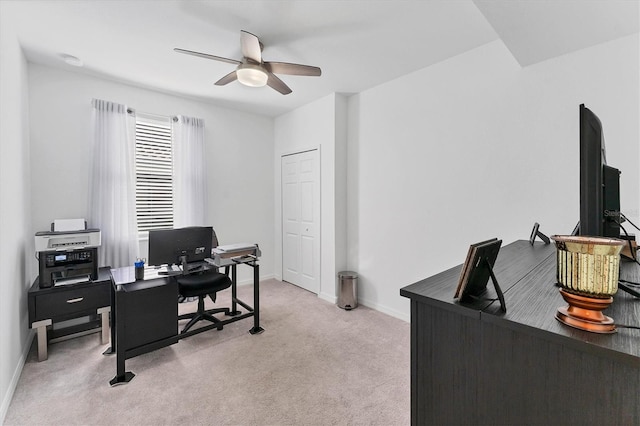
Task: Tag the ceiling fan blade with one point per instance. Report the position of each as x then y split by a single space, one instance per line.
232 76
292 69
207 56
250 46
277 84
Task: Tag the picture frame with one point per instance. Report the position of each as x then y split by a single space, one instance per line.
476 271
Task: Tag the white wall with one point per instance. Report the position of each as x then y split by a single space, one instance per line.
237 148
318 124
476 147
16 248
340 184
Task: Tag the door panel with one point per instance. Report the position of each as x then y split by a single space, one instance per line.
301 220
308 256
291 259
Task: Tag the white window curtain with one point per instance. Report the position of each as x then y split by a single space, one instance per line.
189 174
112 201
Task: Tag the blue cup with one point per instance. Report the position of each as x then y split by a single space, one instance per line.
139 268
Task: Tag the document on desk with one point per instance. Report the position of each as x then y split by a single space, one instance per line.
235 250
235 247
225 255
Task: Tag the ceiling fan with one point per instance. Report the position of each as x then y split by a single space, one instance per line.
252 70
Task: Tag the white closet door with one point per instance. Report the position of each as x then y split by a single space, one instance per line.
301 220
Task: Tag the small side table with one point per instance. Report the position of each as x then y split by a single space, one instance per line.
55 304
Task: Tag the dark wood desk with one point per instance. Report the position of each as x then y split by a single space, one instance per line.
472 364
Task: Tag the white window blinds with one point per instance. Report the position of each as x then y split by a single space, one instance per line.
154 169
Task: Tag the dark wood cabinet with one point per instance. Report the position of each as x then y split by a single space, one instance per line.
473 364
48 306
71 302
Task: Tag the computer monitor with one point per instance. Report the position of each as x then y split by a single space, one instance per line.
169 246
599 183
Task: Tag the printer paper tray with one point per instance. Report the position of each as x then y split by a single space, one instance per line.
72 280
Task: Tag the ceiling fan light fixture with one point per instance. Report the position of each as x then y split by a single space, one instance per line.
252 75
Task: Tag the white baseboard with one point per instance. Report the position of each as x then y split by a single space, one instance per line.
385 310
250 280
375 306
6 401
328 297
331 298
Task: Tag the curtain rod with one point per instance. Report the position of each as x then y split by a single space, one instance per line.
132 111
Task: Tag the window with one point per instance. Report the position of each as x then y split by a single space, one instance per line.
154 170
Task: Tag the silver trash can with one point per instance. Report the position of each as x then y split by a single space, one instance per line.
347 290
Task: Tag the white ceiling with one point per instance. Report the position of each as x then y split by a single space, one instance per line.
358 44
536 30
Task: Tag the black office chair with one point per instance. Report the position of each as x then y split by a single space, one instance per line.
200 284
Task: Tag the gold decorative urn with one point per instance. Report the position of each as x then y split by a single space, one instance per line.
587 272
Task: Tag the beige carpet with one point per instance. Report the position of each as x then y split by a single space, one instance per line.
315 364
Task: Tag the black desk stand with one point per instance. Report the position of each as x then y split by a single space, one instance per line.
235 313
144 318
256 329
145 315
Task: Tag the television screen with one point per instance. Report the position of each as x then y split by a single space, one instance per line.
599 183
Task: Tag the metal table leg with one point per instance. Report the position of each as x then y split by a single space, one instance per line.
118 344
256 301
104 317
41 330
234 292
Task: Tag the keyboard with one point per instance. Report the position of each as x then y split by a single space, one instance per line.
170 270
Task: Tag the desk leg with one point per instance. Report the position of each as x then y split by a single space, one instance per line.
128 376
112 349
41 331
256 301
104 319
121 376
234 292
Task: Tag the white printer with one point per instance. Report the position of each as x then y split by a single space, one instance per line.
67 256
